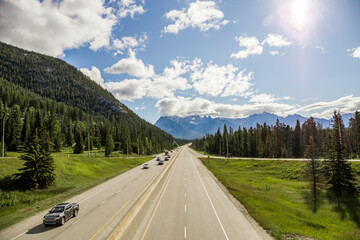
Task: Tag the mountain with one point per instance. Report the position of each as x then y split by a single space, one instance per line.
31 82
196 126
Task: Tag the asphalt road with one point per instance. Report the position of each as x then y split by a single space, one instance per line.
101 208
190 204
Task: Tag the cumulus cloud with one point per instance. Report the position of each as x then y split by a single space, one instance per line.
51 27
276 40
200 14
130 8
128 42
132 66
251 44
129 89
355 52
94 74
156 86
254 47
214 80
183 107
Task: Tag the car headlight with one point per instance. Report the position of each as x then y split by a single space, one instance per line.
57 218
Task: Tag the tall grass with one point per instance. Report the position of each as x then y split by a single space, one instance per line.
276 195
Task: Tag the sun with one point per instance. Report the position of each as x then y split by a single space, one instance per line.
299 14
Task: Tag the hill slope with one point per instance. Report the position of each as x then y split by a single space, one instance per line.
53 79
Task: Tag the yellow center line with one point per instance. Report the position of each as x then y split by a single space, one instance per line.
157 205
121 209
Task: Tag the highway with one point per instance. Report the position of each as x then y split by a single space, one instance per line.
101 208
190 204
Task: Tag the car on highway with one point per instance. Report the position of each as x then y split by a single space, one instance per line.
161 162
158 159
166 158
146 166
59 214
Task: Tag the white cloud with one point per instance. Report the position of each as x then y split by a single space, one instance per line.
183 107
128 89
128 42
200 14
156 86
355 52
276 40
139 108
266 98
130 8
51 27
132 66
214 80
251 44
321 48
273 53
94 74
268 20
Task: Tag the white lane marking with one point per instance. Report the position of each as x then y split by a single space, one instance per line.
185 185
102 202
207 194
18 236
104 188
185 208
185 232
185 195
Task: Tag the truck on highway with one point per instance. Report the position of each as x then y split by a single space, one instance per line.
59 214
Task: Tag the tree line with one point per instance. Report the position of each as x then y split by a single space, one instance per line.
278 141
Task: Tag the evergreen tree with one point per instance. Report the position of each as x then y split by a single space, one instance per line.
38 170
297 135
313 171
109 144
339 171
79 142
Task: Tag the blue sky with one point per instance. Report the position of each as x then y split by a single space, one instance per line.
226 58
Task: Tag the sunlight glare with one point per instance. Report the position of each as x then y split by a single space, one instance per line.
299 11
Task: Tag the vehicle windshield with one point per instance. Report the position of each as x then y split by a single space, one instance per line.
57 210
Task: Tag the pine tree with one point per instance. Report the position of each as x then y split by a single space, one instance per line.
38 170
339 171
109 144
313 171
296 146
79 143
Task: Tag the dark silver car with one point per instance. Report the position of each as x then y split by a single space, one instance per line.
161 162
59 214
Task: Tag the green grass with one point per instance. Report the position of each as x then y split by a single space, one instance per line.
275 193
74 174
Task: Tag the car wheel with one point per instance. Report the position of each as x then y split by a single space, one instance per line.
62 221
75 213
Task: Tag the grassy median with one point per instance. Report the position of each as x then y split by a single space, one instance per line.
275 194
75 173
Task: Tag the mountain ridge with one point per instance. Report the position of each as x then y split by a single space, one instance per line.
195 126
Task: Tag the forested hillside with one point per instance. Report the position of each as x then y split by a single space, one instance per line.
38 91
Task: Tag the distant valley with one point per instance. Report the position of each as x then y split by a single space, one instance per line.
192 127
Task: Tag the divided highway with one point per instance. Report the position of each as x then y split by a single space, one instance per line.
101 208
191 205
188 203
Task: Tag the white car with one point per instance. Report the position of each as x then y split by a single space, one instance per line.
146 166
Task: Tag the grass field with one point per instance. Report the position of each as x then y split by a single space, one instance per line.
75 173
275 194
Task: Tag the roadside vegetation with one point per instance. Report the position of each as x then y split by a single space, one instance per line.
277 195
74 173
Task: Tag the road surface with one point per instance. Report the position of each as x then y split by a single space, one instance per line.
190 204
101 208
